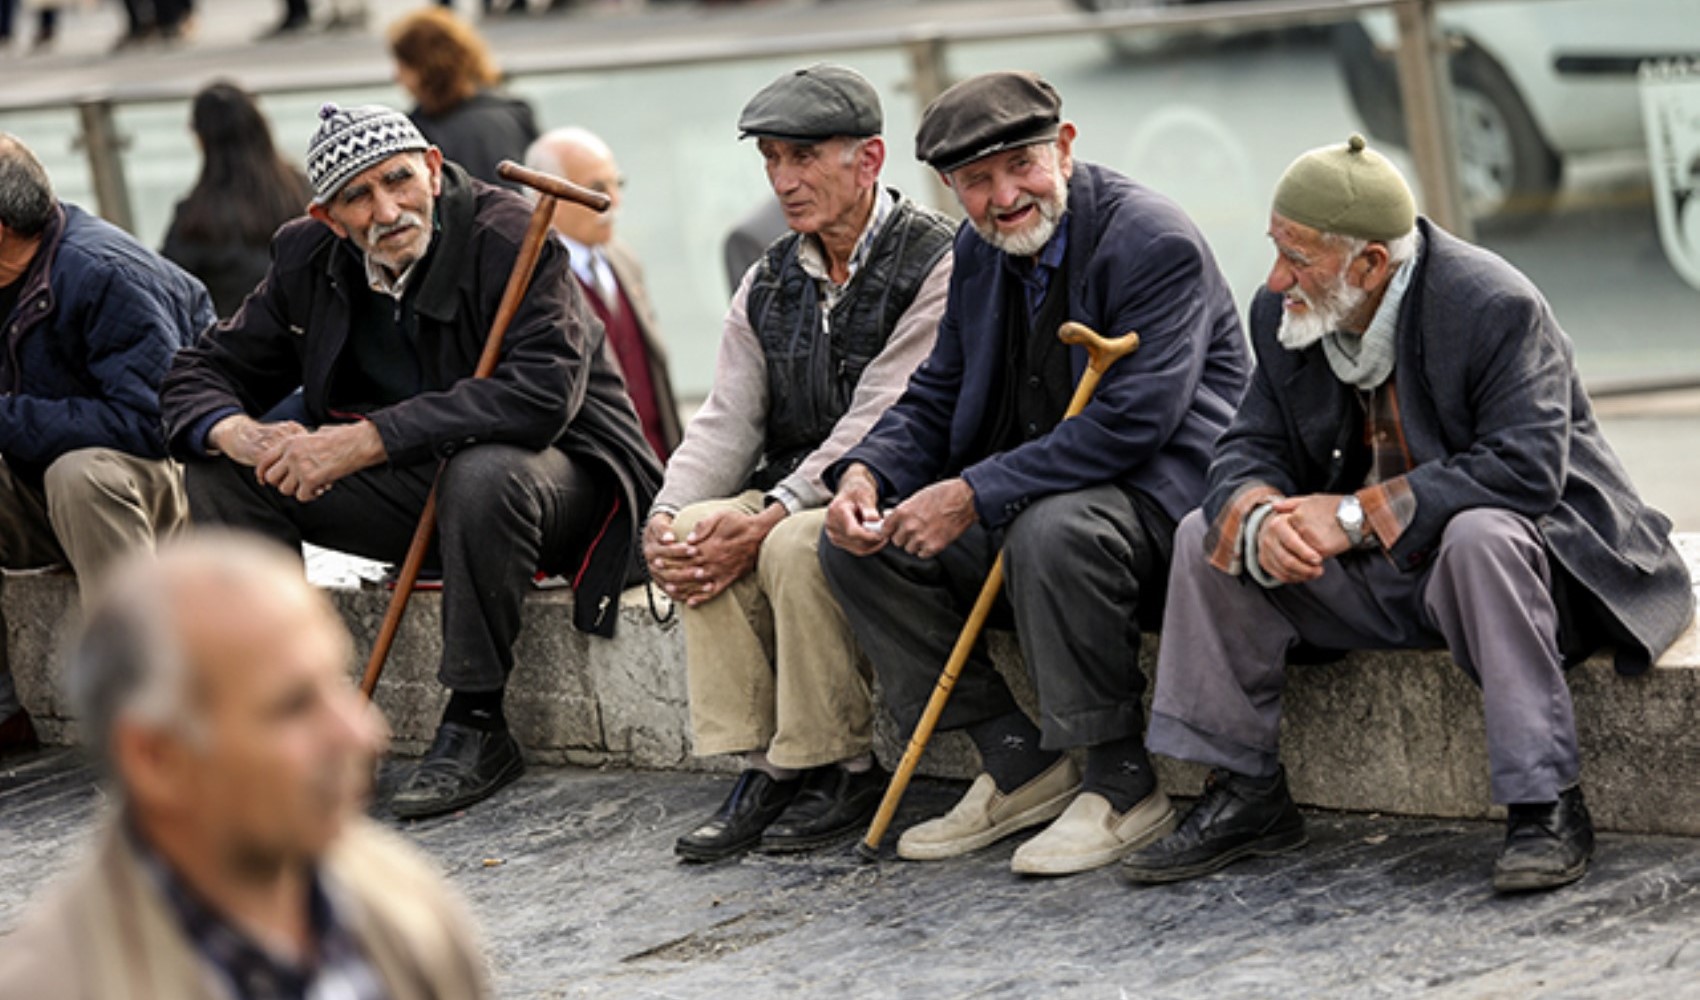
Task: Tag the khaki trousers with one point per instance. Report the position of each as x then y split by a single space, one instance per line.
94 505
770 662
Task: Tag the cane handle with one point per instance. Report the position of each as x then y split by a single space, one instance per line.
562 189
1102 351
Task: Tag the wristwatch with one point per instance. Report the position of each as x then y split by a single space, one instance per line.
1350 516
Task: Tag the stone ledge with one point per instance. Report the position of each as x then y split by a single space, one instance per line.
1396 732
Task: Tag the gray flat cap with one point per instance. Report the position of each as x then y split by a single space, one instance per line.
814 103
987 114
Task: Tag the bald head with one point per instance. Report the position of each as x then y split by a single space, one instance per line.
214 680
580 156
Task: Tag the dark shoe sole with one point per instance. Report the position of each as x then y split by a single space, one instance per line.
813 842
701 855
1264 847
1527 881
424 810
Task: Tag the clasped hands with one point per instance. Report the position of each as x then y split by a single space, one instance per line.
1299 535
293 460
923 525
718 551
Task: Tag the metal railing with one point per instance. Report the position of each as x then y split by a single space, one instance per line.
1421 60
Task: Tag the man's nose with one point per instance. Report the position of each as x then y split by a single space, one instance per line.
1280 277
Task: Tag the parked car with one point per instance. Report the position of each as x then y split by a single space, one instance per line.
1535 82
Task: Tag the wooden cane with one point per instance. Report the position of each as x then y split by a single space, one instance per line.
1101 354
519 280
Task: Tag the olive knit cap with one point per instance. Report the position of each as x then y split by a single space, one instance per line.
1348 189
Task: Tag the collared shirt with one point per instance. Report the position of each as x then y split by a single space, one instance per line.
812 256
243 968
1035 272
591 266
379 280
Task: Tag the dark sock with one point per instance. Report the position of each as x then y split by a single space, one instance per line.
1119 771
481 710
1009 750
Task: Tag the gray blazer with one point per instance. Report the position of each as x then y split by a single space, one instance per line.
1494 415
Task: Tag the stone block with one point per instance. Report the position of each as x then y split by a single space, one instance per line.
1395 732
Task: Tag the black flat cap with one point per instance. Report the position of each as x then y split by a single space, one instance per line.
811 104
987 114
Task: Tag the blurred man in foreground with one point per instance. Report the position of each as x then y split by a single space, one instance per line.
212 682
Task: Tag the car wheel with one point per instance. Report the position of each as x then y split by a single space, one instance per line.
1510 176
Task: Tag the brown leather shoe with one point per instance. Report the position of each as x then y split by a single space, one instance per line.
17 735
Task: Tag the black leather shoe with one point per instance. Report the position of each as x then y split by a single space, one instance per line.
1233 819
1546 845
463 766
17 734
756 800
832 804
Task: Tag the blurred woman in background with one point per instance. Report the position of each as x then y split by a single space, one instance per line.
446 67
221 232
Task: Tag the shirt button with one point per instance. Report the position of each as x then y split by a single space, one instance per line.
1032 430
1336 454
1033 381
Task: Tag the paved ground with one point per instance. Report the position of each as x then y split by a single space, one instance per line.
571 874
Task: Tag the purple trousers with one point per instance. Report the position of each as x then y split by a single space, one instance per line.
1485 596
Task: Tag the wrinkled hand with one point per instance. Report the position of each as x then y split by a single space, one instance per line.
242 439
926 523
1298 536
853 521
305 466
719 551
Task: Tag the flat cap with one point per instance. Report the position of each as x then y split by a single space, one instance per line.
987 114
1348 189
814 103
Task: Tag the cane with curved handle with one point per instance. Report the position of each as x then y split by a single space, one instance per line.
1101 353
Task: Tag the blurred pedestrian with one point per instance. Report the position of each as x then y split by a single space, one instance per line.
447 69
212 683
92 319
611 277
221 232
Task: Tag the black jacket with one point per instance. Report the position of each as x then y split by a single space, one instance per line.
554 384
480 132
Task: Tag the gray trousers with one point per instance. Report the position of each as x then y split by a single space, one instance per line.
1486 597
1079 567
502 513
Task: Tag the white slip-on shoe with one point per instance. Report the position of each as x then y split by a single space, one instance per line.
985 815
1089 834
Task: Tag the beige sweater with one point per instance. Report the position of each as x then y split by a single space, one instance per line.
107 934
723 443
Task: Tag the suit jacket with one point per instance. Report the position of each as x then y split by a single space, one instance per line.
108 933
1494 415
629 273
1153 423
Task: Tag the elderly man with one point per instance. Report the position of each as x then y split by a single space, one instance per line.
377 308
91 320
822 334
976 457
610 277
213 683
1415 465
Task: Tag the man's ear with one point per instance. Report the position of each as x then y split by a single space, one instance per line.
1065 149
323 214
150 765
434 165
1378 266
871 160
944 179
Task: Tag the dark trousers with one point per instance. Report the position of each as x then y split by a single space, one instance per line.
1080 568
502 513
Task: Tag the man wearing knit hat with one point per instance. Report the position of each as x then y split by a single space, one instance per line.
321 411
976 457
821 336
1415 465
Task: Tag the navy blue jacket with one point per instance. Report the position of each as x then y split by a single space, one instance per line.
1153 423
96 325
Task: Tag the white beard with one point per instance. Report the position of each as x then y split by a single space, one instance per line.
1319 319
1029 242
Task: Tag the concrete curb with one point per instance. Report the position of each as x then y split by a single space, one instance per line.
1396 732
